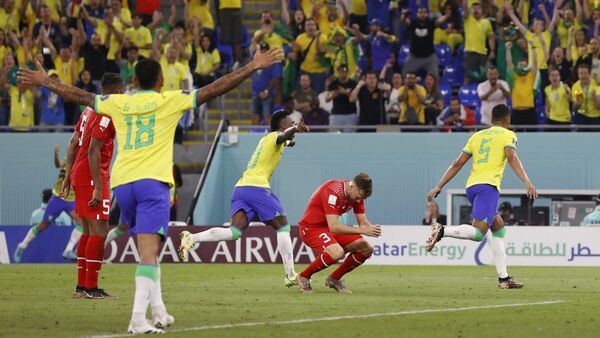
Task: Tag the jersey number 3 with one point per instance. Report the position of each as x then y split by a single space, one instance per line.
144 135
484 149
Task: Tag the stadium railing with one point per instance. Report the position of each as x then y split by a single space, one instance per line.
211 154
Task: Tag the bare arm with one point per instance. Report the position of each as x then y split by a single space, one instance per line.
586 9
465 4
72 149
285 13
333 222
578 11
362 219
56 158
173 15
449 175
511 13
509 62
286 135
94 160
516 165
354 94
67 92
344 12
226 83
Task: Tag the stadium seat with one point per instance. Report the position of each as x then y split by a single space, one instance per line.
403 54
226 53
246 40
539 108
446 91
459 54
468 95
443 53
452 76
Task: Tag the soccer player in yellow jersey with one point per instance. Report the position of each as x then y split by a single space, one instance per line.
56 206
490 149
142 174
252 196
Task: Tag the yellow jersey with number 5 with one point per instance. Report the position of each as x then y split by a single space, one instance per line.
263 162
145 125
486 148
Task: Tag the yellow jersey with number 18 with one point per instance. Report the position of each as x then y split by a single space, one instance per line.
263 162
145 125
486 148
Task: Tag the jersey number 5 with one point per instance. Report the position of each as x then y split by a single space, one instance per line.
144 135
484 150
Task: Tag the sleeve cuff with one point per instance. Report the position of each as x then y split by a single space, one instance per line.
467 152
195 99
510 146
96 103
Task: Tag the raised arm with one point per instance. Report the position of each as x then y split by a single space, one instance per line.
511 13
516 165
534 59
67 92
344 12
465 4
173 15
285 12
554 21
57 162
449 175
354 94
287 135
226 83
509 60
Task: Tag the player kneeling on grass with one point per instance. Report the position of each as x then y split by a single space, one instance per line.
490 148
320 228
88 160
252 195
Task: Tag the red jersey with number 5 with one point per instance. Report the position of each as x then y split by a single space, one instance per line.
99 127
329 199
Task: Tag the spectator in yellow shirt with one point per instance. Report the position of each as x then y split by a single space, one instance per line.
477 30
310 47
200 9
577 45
121 14
328 18
585 98
412 98
140 36
558 97
563 25
174 73
266 33
208 60
523 88
21 101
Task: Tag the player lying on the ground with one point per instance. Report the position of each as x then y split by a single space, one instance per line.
55 207
320 229
490 149
88 160
145 125
252 196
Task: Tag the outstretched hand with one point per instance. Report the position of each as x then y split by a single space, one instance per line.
267 58
32 77
433 194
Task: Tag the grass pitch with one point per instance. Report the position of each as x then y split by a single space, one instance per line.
35 301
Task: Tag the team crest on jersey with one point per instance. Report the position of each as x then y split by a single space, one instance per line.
104 121
332 200
104 97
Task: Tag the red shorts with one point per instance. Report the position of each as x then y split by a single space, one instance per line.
83 195
319 237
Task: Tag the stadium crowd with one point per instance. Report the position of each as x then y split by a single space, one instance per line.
348 62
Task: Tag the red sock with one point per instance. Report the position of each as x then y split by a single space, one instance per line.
351 262
81 260
94 255
320 263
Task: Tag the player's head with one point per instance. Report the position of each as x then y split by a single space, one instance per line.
148 75
280 119
360 188
501 115
111 83
46 194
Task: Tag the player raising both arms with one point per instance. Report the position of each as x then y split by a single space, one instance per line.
490 149
320 228
88 160
252 196
56 206
142 174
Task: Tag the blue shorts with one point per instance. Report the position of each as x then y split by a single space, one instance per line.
256 201
55 207
484 199
145 206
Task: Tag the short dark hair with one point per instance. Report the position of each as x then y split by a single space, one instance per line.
110 83
364 183
492 67
276 119
147 72
583 65
500 112
454 98
371 72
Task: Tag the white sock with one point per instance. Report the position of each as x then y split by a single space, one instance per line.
286 250
75 235
158 306
213 235
499 252
33 231
463 231
112 235
145 287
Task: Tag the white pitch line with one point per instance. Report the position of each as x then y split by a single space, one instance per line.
326 319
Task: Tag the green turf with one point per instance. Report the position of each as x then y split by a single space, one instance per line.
35 302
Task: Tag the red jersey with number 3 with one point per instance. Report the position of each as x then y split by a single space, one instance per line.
329 199
99 127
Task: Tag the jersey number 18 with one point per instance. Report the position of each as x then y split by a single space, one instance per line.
144 135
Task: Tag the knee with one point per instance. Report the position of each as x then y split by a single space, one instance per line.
366 249
42 226
335 251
